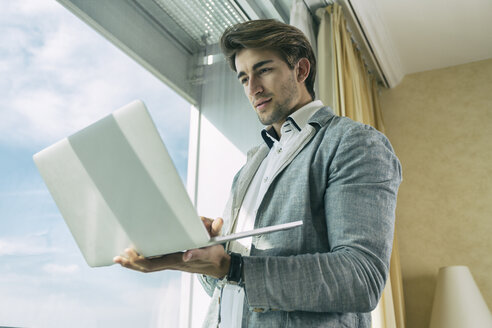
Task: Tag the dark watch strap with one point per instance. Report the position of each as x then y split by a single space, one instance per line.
235 273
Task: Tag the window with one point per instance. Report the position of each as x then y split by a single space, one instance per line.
57 75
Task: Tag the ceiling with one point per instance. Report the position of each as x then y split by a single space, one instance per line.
432 34
411 36
400 36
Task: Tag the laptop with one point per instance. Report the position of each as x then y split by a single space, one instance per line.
116 187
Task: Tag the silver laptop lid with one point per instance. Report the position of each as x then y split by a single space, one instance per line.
109 209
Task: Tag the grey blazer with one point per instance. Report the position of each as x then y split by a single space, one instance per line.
342 182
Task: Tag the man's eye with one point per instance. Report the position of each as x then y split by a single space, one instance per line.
264 70
243 81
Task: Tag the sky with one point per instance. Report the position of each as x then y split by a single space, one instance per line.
57 75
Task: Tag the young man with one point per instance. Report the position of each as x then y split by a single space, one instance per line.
340 177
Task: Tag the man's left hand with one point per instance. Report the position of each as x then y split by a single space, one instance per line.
212 260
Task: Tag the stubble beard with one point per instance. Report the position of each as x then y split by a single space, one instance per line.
282 109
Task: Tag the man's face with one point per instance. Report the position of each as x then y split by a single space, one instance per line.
270 85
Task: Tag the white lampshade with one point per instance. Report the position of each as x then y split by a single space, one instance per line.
457 302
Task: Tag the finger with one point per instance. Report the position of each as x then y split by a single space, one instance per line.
207 222
192 254
118 259
216 227
131 259
195 254
124 262
133 255
187 256
206 254
121 260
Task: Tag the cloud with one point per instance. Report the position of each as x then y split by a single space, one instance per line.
103 301
51 309
53 268
33 244
57 75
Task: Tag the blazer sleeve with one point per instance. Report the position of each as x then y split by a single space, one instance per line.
359 202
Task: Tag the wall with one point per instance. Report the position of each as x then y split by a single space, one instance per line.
440 124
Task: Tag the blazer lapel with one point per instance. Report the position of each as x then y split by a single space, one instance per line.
244 179
319 119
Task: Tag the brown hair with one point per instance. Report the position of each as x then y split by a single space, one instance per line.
288 41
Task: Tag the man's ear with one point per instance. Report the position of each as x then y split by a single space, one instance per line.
303 69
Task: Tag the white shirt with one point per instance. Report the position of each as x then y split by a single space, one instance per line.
233 297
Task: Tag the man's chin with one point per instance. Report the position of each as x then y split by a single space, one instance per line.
265 120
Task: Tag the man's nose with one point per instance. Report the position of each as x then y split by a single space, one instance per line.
255 87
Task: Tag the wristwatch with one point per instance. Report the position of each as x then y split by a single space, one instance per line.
235 274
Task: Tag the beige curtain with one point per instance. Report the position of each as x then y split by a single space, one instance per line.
346 86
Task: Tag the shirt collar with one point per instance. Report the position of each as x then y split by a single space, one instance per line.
269 135
301 116
298 120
